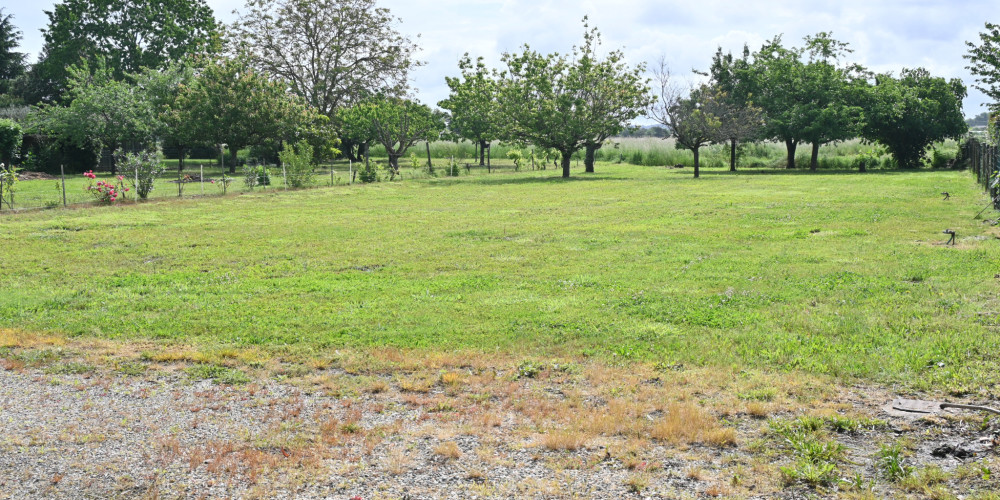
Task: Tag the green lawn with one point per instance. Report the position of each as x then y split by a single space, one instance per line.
831 273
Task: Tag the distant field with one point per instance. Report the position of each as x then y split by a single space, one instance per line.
830 273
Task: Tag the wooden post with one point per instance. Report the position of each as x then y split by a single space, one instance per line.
201 179
62 173
331 175
532 158
430 164
350 172
284 177
451 163
180 189
489 154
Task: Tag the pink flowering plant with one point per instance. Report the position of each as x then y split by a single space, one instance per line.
106 192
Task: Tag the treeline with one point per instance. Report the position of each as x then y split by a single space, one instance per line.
122 74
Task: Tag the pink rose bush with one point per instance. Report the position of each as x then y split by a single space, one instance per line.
106 192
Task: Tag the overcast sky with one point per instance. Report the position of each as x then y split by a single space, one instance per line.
886 35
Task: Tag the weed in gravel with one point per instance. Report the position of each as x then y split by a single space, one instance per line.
636 483
69 368
218 374
564 440
891 463
449 450
131 368
683 423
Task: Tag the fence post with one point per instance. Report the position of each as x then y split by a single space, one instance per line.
201 179
284 177
350 172
62 173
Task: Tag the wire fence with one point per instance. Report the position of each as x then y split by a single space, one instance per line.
984 161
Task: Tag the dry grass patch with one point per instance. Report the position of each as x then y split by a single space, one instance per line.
449 450
684 423
564 440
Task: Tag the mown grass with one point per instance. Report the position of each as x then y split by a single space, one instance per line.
832 273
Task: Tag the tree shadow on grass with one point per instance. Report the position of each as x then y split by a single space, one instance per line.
499 180
806 171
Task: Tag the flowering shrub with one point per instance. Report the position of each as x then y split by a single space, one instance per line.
106 192
223 183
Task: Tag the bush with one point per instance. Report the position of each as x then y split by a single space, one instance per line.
256 175
10 140
140 170
369 173
297 161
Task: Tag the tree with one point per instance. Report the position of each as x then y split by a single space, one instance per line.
10 140
909 113
778 73
693 121
11 62
473 104
103 113
129 35
161 88
984 62
232 103
740 120
331 52
829 95
397 124
615 94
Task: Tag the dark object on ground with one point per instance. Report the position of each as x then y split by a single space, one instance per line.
678 166
35 176
921 406
951 241
946 196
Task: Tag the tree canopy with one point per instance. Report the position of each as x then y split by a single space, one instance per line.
475 111
909 113
984 62
395 123
331 52
12 63
129 35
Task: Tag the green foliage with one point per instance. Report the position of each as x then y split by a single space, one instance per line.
331 52
12 63
297 159
396 124
128 35
218 374
10 140
475 111
231 103
891 464
984 62
9 179
140 169
256 175
517 156
369 173
564 103
909 113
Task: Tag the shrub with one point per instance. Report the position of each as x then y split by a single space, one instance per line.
297 161
105 192
518 157
10 140
256 175
8 184
140 169
369 173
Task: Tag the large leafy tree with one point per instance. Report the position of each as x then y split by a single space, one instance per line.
395 123
984 62
473 104
780 93
615 93
11 62
129 35
830 94
331 52
104 113
232 103
909 113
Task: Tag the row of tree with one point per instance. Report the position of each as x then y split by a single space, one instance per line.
119 72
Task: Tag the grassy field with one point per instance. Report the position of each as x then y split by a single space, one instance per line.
833 273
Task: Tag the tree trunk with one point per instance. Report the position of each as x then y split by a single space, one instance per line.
732 155
697 166
791 145
180 160
588 161
482 152
394 165
233 153
567 156
430 164
814 162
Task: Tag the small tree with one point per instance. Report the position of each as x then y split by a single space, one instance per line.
693 121
396 124
473 105
140 170
297 159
